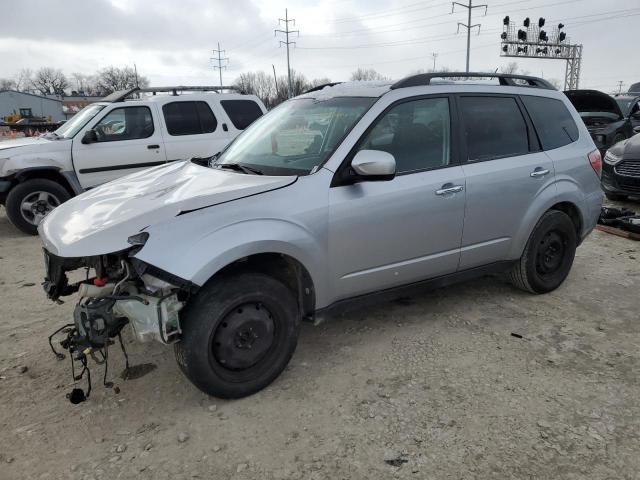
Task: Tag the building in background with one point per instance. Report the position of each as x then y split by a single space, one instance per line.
72 104
19 105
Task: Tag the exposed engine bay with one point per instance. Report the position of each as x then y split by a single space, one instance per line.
117 290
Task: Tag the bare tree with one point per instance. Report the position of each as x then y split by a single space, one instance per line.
7 84
319 81
264 86
23 80
367 74
49 80
84 84
260 84
112 79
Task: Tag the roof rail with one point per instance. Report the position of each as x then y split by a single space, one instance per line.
175 90
120 95
320 87
506 79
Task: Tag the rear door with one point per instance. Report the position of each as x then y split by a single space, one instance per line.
192 129
505 172
129 138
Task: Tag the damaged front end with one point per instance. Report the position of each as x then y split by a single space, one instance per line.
114 290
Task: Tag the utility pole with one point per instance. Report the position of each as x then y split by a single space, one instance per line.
620 82
287 32
468 25
135 70
434 55
219 58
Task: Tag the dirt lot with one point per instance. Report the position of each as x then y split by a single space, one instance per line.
432 387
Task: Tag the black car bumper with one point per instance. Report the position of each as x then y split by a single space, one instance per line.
623 178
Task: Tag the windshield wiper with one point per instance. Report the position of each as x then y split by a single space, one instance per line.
240 168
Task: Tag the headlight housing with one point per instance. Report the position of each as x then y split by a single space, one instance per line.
611 159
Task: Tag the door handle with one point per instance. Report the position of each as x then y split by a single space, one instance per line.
153 147
449 188
539 172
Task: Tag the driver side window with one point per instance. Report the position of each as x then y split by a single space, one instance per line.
417 133
125 123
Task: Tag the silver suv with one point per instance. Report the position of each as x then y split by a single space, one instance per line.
347 192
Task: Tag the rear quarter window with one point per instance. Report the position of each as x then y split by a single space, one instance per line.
241 112
551 119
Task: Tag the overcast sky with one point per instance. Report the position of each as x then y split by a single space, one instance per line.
171 41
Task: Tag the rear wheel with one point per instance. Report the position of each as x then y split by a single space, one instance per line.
615 197
239 333
29 202
548 255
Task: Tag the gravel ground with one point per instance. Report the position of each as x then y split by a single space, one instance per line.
430 387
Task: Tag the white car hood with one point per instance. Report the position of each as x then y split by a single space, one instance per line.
40 142
100 221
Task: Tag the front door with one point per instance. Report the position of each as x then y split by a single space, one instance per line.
127 140
389 233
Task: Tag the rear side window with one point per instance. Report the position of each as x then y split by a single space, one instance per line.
189 118
494 127
552 121
241 112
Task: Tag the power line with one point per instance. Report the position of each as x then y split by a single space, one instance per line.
219 58
286 31
468 25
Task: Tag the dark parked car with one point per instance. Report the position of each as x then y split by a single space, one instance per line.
621 170
603 117
629 103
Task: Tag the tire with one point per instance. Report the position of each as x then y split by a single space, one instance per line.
548 255
615 197
43 195
221 351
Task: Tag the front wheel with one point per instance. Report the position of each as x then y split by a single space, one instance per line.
239 333
30 201
548 255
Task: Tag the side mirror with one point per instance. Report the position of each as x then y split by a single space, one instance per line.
636 129
90 136
373 165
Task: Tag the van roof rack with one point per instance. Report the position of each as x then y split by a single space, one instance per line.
506 79
120 95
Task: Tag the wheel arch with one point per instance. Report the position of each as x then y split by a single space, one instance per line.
283 267
48 173
566 204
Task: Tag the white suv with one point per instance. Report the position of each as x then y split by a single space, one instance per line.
115 137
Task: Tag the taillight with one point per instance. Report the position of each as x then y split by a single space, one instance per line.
595 159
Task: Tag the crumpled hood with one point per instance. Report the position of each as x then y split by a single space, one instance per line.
100 221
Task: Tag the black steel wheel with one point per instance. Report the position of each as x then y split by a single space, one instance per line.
239 333
548 255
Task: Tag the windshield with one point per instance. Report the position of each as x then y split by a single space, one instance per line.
296 137
79 120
